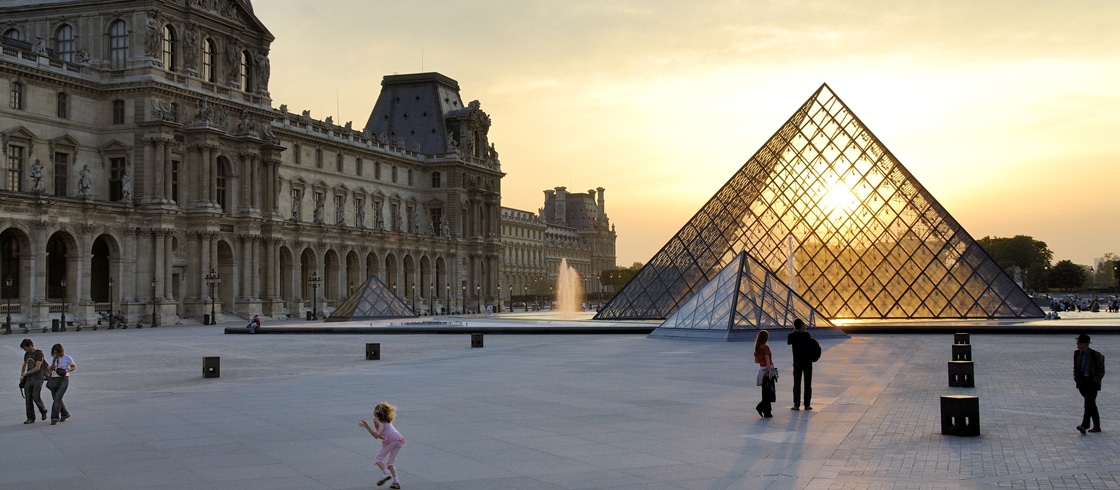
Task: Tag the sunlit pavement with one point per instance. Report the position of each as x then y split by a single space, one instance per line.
551 411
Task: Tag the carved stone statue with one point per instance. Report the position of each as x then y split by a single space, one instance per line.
359 214
37 177
319 204
126 187
380 217
85 181
446 228
295 208
340 214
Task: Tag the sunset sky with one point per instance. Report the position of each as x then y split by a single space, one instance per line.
1007 111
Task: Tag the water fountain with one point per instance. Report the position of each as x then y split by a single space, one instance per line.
569 289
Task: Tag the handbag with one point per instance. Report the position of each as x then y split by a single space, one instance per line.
54 383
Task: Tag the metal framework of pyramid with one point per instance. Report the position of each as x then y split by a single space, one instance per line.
741 300
372 301
827 208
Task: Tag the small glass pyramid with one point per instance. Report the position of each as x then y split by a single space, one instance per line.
742 299
826 205
371 301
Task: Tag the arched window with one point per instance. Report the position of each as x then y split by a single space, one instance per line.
246 71
64 43
220 185
13 34
208 60
118 45
168 48
435 180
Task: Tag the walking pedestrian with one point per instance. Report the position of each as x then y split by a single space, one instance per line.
31 376
391 442
1088 369
61 367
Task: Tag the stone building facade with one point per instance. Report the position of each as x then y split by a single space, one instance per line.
142 155
571 227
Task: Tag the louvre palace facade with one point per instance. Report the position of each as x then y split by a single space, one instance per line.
146 170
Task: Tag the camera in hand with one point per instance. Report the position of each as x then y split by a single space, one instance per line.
60 371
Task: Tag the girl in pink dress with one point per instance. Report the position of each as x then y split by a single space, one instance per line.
391 442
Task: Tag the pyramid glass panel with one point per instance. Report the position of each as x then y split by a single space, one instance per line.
371 301
855 217
741 299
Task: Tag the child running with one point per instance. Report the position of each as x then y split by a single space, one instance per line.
391 442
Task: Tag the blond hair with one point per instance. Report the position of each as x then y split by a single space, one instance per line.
385 412
760 340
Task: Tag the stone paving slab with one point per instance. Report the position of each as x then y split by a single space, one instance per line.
550 412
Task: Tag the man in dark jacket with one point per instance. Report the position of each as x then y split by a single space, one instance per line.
802 364
1088 369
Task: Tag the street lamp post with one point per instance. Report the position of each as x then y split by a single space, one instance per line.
155 319
478 296
212 280
314 281
510 297
8 319
62 327
447 299
525 296
431 295
499 310
463 301
414 298
111 303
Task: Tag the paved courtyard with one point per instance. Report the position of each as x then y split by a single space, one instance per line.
551 412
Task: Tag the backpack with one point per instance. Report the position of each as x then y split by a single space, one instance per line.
813 349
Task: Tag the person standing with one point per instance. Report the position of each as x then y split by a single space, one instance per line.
806 351
61 367
766 369
1088 369
31 378
391 442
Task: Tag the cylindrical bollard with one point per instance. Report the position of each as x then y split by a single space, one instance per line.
476 340
373 351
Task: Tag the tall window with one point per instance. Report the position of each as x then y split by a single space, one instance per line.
246 71
318 158
168 48
118 111
62 106
64 43
377 170
358 167
175 180
15 168
61 171
220 187
13 34
394 176
296 152
410 176
16 99
208 60
338 163
116 175
435 180
118 45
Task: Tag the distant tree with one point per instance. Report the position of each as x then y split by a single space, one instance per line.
1105 274
613 279
1029 255
1067 275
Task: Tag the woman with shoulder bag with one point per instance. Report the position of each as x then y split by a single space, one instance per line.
31 380
766 372
61 367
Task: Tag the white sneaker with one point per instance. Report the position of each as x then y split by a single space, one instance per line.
384 478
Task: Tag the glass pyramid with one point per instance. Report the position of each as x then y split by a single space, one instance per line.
827 208
371 301
742 299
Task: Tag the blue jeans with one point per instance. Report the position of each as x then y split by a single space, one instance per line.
32 390
58 408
